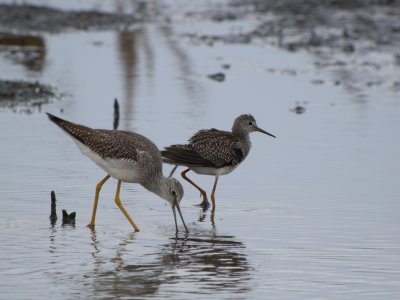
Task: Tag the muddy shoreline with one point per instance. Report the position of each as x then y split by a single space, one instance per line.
358 41
25 96
30 18
21 41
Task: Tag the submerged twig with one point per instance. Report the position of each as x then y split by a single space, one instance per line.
116 114
53 214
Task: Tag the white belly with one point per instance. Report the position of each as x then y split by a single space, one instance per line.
119 169
125 170
213 171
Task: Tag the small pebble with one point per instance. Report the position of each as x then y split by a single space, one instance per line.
217 77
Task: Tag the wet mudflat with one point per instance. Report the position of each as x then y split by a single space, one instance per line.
311 214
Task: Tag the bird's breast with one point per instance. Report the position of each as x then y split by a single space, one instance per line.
214 171
125 170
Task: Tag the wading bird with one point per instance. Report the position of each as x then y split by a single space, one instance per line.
127 157
214 152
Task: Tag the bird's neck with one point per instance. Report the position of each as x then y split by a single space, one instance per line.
155 185
243 135
244 139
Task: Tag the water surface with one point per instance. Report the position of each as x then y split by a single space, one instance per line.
311 214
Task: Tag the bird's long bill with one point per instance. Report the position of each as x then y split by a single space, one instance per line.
176 204
263 131
176 224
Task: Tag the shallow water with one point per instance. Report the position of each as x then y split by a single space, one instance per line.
311 214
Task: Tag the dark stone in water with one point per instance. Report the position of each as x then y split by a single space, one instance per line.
217 77
299 109
68 218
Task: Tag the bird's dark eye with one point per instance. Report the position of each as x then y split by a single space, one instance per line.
250 123
173 193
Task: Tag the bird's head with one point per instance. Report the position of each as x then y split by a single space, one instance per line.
172 191
247 124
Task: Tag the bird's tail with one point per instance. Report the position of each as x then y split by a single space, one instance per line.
79 132
56 120
170 154
183 155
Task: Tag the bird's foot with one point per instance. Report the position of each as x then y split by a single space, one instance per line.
204 204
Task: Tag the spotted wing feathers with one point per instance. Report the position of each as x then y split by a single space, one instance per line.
106 143
207 148
184 155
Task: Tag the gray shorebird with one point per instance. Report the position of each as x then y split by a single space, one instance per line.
128 157
214 152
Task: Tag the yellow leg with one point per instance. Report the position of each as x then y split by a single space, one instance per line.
213 193
96 200
119 204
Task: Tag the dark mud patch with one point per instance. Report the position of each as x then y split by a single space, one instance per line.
27 50
23 96
28 18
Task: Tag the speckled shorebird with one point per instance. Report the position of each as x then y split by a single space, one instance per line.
214 152
128 157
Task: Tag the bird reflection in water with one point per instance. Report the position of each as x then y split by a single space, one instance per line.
203 215
141 60
204 262
212 262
